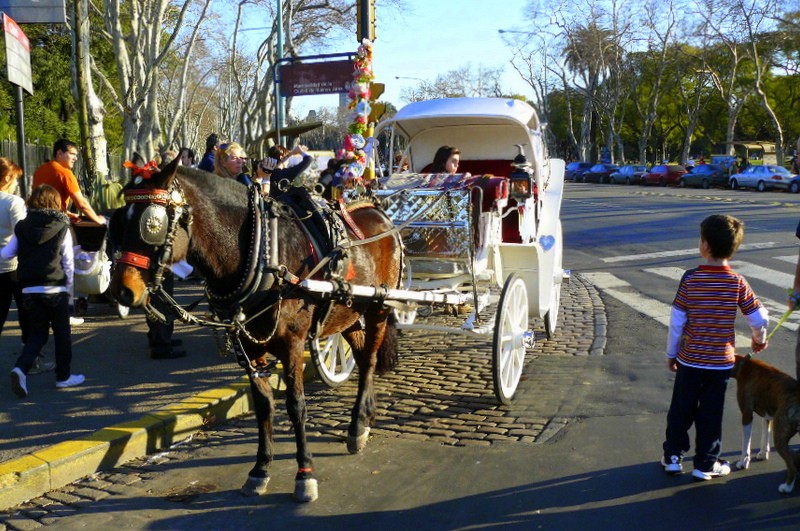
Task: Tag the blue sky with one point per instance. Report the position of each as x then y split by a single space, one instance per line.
433 37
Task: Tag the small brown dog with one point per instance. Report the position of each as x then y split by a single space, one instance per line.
774 395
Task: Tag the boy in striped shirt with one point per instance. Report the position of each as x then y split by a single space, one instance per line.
700 347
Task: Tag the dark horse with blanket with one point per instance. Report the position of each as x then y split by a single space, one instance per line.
253 251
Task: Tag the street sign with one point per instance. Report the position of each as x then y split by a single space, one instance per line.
35 11
305 79
18 54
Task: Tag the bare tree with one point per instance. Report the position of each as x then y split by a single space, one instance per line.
660 21
142 33
695 91
183 82
726 56
755 16
465 81
92 108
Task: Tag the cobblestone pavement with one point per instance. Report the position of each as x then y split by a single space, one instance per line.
440 393
442 388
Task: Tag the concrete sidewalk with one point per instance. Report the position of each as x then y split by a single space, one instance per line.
138 404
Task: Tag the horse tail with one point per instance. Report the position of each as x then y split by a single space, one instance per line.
387 352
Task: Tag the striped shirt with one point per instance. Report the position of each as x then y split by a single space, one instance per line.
705 309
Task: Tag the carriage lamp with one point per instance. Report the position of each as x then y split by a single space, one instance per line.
521 178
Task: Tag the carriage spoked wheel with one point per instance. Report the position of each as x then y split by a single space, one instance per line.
511 337
333 359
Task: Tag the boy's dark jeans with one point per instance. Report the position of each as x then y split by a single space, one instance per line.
45 310
698 397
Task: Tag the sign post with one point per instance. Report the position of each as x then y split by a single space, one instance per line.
18 59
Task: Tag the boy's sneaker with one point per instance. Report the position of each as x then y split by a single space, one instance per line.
19 382
73 321
73 380
720 468
672 464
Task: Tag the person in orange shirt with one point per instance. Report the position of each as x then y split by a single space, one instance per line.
58 174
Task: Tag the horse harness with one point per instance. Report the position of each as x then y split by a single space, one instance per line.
167 210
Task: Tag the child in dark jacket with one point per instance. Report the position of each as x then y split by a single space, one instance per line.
43 246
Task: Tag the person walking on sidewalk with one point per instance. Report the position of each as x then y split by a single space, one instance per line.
43 245
12 209
700 347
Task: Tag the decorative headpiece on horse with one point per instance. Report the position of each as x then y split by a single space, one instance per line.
141 172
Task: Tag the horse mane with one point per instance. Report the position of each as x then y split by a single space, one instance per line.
219 190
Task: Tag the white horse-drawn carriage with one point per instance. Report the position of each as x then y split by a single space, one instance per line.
496 223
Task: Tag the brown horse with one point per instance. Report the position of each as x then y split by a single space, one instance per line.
179 213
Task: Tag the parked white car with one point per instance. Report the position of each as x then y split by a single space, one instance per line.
762 178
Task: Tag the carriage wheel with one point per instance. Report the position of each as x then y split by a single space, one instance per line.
123 311
511 327
551 317
333 358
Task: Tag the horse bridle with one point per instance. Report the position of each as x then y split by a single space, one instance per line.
165 212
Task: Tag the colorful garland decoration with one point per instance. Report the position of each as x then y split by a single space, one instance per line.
355 150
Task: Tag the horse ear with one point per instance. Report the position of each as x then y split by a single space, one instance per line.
137 159
168 172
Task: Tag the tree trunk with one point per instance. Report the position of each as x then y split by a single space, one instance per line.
586 132
775 123
93 111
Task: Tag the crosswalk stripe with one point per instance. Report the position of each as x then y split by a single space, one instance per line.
776 308
792 258
680 252
776 278
627 294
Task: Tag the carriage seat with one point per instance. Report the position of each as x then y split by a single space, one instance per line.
495 186
481 167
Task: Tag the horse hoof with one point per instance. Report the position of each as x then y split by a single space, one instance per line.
356 445
744 464
305 490
255 486
786 488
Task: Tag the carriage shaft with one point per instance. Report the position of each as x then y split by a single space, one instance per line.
370 292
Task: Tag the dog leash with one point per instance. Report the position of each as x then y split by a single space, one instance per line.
782 320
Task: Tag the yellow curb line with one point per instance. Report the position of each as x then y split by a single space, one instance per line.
53 467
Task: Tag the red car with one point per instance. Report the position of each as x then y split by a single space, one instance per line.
664 174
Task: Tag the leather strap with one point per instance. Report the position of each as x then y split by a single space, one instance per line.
136 260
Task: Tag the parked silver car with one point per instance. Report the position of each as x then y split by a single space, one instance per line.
629 174
762 178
